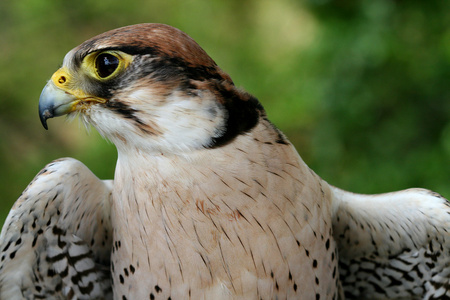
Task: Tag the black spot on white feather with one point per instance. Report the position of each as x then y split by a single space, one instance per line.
7 246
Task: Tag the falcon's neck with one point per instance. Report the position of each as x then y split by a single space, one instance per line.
149 168
152 184
170 208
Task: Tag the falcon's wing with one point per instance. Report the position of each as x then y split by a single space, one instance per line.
394 245
56 241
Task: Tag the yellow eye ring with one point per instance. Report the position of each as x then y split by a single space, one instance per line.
104 65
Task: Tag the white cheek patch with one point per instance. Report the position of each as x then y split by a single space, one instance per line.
191 121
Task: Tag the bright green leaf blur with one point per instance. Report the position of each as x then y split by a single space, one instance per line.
360 87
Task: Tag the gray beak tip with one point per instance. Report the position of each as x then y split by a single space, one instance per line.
44 120
45 112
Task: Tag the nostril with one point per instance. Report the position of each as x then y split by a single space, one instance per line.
62 79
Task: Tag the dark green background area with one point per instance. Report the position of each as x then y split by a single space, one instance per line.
360 87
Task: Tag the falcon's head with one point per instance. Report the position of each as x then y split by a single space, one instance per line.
150 87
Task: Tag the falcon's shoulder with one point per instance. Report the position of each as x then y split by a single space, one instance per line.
57 237
393 245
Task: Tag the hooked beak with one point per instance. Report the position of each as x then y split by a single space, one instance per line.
60 97
55 102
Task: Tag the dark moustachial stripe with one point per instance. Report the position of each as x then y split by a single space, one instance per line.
121 108
127 112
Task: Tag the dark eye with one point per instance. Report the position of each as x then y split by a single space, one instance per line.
106 64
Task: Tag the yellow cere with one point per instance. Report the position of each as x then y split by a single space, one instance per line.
64 80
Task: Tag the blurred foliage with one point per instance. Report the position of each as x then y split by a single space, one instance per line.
360 87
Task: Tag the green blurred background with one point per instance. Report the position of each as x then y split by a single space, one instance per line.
360 87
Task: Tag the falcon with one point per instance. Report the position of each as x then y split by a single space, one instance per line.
209 199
